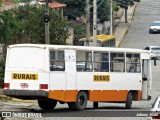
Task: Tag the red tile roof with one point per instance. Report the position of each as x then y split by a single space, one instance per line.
54 4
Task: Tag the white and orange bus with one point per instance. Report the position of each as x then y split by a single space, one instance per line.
77 74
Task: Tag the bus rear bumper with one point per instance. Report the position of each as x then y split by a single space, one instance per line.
26 94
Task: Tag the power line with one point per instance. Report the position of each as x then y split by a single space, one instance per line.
100 4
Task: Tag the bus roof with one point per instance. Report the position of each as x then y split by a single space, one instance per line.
87 48
101 38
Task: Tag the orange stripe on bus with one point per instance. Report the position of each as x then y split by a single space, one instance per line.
108 95
94 95
65 96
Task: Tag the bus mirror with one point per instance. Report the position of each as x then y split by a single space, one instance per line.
155 62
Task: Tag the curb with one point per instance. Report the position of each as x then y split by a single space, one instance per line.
26 101
6 98
3 97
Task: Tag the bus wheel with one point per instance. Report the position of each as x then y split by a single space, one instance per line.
47 104
81 101
95 104
129 100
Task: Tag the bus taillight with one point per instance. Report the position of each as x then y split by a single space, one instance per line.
6 85
43 86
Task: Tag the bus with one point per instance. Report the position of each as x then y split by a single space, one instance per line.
102 41
77 74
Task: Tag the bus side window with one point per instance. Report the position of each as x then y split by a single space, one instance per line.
84 61
101 62
117 62
133 63
57 62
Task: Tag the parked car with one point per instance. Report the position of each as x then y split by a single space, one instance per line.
155 51
155 110
154 27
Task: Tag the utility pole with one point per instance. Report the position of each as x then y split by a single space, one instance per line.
46 20
87 22
94 22
111 18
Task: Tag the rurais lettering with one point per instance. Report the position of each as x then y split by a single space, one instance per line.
101 78
19 76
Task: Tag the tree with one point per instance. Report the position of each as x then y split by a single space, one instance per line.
125 4
26 25
0 3
103 10
76 8
79 32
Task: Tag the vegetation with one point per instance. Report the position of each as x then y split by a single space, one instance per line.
26 25
76 8
0 3
125 3
103 10
79 32
115 6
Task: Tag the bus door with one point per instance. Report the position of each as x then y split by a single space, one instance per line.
70 68
146 78
57 80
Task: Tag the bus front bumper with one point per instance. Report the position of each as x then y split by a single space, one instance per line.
25 94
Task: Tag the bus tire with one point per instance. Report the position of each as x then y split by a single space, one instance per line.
129 100
48 104
95 104
81 101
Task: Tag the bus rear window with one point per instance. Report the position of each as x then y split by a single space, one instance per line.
26 57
